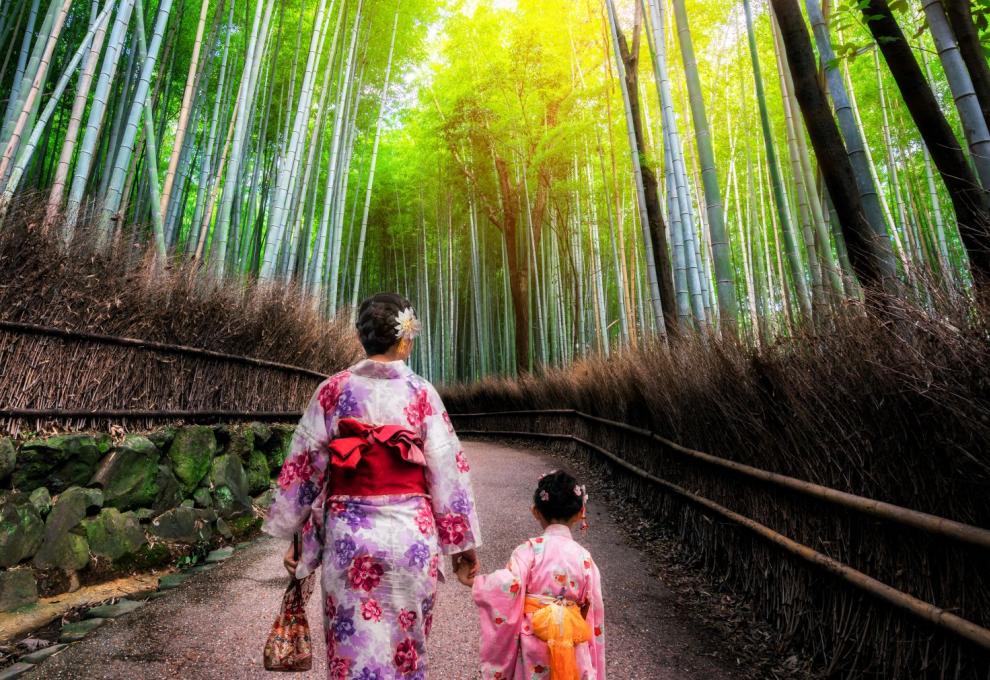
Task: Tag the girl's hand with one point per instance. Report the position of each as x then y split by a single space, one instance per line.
464 575
290 562
466 566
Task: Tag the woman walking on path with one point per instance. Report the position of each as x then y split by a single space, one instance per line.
378 485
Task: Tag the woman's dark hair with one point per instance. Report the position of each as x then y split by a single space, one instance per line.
376 321
555 497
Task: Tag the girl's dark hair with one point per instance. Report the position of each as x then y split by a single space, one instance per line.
555 498
376 321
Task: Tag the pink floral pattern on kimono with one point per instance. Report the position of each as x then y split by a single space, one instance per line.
553 565
379 554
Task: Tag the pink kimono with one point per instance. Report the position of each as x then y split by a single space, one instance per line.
552 565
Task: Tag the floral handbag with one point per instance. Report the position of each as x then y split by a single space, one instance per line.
289 646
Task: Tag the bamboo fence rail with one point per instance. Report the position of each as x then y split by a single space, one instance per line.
959 531
899 559
72 379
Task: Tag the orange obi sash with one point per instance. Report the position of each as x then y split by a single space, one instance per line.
559 623
368 460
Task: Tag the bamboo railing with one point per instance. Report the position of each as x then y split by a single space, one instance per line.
906 517
74 379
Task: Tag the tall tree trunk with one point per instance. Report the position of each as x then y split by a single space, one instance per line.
721 248
139 107
83 85
967 104
865 255
968 197
245 98
960 14
371 172
37 72
777 182
518 267
187 95
656 237
855 142
27 150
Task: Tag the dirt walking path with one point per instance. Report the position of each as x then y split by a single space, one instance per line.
214 625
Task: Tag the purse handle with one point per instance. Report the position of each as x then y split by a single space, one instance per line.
293 581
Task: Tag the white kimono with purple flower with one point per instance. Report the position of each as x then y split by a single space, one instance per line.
380 554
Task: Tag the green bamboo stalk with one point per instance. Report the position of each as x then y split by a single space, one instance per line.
29 147
37 70
717 232
780 196
115 189
974 125
185 109
355 291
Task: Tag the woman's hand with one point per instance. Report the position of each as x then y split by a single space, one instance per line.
466 566
290 561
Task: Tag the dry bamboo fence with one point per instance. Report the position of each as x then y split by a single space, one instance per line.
871 590
72 380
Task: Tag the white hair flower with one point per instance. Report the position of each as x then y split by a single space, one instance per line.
407 326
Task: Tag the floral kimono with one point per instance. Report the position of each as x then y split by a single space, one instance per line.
551 567
380 553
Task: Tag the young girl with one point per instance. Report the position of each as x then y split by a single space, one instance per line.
542 616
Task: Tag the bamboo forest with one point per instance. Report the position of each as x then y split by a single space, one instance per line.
545 179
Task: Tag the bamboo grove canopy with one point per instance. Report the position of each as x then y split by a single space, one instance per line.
544 178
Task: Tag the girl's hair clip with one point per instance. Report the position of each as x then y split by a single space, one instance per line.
544 496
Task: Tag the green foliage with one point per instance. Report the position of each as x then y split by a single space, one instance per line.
528 86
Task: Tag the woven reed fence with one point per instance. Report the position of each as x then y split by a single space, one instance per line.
850 630
72 380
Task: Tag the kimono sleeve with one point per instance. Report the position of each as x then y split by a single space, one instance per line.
500 597
302 472
449 478
596 617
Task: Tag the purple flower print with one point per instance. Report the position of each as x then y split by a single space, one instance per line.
370 674
343 625
347 405
355 517
343 551
460 503
427 605
418 554
307 493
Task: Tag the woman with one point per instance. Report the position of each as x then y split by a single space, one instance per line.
379 487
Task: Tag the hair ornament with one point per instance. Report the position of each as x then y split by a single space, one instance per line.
581 491
407 326
544 496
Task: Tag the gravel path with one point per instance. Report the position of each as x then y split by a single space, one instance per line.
214 625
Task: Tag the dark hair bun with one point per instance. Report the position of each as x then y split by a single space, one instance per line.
376 321
555 497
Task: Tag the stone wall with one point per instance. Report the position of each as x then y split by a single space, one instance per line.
80 508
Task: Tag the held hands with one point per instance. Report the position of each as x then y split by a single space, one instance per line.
466 566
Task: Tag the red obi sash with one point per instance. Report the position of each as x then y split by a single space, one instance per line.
381 460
